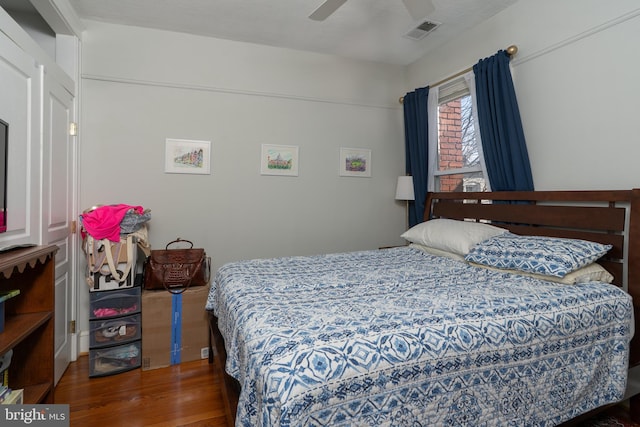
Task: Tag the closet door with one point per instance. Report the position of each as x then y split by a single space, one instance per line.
58 177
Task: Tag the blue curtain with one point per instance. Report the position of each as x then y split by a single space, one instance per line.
417 149
503 143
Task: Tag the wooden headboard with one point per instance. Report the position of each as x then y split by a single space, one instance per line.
610 217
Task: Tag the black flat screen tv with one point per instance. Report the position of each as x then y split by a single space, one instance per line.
4 140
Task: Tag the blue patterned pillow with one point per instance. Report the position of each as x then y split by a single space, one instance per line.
549 256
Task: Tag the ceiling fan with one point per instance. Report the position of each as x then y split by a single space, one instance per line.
418 9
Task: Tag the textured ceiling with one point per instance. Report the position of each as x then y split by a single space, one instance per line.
362 29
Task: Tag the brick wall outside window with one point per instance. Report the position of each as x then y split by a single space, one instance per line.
450 145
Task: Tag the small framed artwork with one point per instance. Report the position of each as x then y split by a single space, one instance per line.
279 160
187 156
355 162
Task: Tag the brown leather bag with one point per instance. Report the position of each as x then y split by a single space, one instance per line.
177 269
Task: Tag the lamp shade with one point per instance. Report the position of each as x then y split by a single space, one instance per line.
404 188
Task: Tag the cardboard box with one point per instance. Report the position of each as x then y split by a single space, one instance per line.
175 328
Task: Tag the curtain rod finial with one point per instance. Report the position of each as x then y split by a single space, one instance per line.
401 100
512 50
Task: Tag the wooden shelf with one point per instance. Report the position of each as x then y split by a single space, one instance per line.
36 393
29 320
17 327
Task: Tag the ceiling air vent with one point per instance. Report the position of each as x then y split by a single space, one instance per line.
421 30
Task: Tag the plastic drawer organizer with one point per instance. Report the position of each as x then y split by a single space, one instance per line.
116 331
115 328
113 360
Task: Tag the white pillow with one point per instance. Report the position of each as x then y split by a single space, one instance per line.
437 252
589 273
451 235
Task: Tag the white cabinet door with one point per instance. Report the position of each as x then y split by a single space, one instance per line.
58 177
20 84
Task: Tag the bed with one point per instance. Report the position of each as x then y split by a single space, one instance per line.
415 335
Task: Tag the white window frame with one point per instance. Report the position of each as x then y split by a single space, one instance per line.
443 93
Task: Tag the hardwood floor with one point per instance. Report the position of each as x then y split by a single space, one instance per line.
184 395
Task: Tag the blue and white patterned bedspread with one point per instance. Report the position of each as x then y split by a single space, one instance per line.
399 337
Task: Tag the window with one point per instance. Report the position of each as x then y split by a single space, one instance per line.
457 163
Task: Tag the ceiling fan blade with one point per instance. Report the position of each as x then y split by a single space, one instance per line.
326 9
418 9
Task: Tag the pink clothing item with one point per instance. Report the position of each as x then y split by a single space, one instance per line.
104 222
108 312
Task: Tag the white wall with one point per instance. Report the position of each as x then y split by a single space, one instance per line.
576 78
141 86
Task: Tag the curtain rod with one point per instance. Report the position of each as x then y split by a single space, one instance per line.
511 51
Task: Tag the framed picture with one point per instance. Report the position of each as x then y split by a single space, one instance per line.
187 156
279 160
355 162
